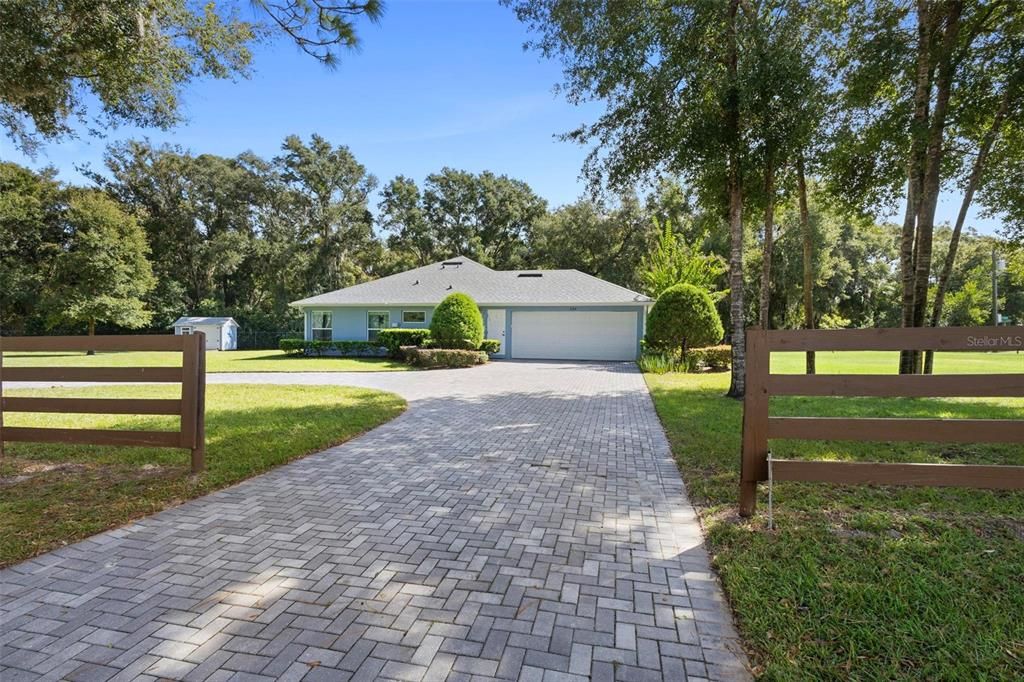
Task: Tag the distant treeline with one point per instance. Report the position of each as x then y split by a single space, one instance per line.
244 236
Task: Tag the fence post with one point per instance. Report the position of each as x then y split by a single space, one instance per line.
1 397
754 462
193 388
199 450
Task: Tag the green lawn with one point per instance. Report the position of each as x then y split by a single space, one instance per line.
216 361
54 494
882 362
861 582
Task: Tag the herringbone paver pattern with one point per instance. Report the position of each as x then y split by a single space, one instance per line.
520 521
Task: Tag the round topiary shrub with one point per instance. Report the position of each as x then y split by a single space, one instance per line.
457 323
683 317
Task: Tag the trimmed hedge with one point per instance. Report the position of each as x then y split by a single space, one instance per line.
293 346
350 349
394 339
389 341
457 323
436 358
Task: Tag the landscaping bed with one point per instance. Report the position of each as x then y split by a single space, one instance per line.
55 494
860 582
443 358
415 347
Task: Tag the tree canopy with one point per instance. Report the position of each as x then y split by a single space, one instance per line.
102 273
483 216
128 61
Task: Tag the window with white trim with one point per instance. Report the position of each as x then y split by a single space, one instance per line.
413 317
322 325
375 321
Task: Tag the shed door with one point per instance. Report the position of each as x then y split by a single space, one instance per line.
574 335
212 337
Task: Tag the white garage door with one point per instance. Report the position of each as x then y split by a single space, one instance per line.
573 335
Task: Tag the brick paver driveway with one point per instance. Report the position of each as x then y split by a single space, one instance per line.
520 520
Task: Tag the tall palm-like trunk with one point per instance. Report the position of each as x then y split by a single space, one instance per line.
92 332
769 242
954 242
933 167
808 264
737 387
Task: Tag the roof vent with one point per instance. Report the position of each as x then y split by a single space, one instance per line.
454 263
530 274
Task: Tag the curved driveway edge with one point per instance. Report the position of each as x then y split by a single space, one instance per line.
518 521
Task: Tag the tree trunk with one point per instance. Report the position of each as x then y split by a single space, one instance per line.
915 175
808 265
954 242
933 168
907 258
737 387
92 332
769 242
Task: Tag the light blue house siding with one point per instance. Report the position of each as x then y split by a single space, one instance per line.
351 323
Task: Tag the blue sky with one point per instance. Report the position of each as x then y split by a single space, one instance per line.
435 84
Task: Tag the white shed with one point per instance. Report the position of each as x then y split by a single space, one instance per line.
221 332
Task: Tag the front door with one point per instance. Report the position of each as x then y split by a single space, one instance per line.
496 327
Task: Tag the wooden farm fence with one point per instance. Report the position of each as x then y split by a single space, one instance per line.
759 426
191 407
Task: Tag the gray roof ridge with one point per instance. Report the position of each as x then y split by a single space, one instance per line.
462 257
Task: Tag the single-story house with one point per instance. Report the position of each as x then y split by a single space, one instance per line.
221 332
536 314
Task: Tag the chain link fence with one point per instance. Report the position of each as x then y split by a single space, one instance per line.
255 339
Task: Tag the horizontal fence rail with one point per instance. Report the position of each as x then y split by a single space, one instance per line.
759 426
190 407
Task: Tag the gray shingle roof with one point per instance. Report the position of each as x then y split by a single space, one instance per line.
203 320
429 284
